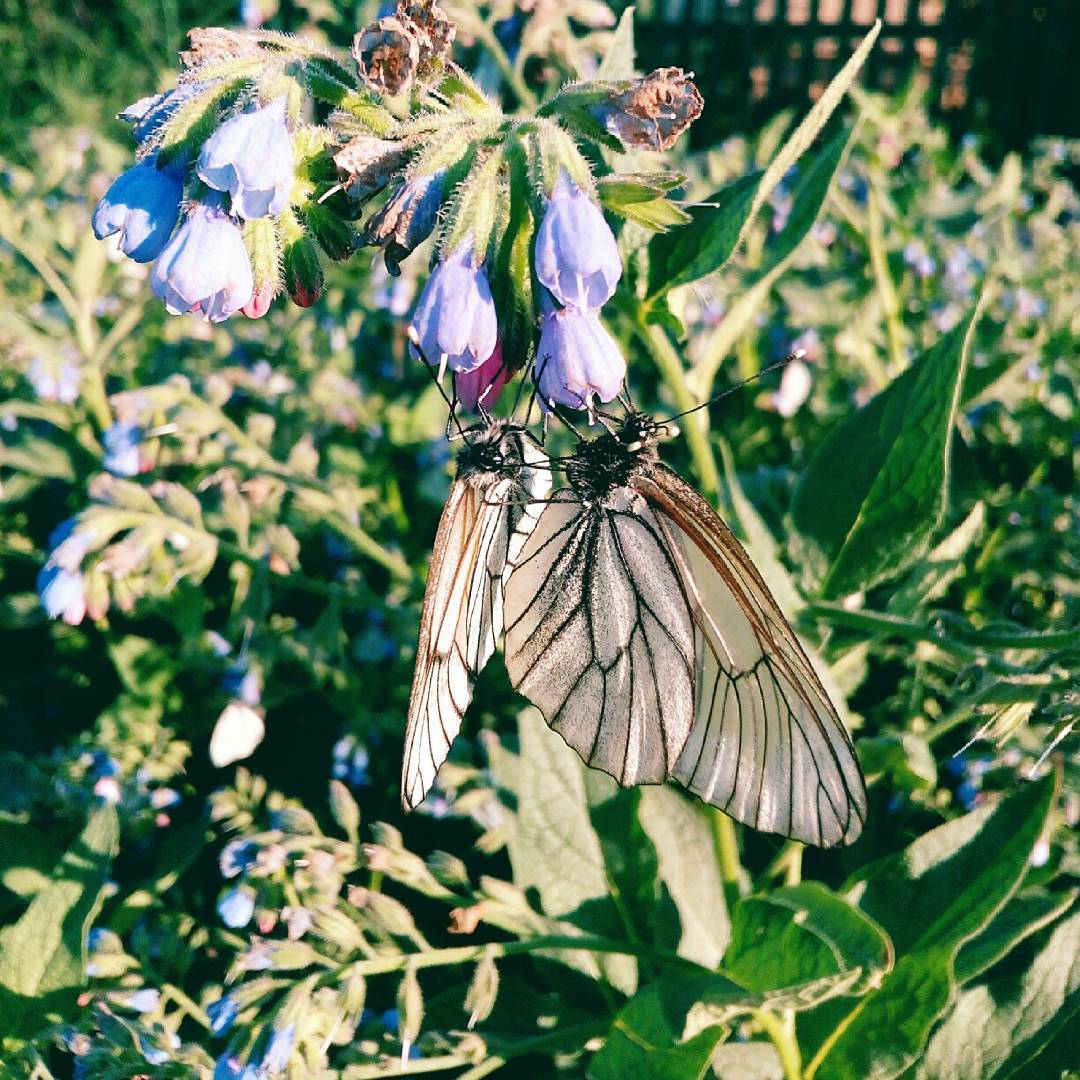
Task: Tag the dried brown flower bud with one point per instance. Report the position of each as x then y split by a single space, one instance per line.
215 43
366 163
431 25
655 110
388 54
465 920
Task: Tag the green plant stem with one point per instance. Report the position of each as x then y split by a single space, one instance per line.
781 1030
513 77
890 302
878 622
726 844
696 425
469 954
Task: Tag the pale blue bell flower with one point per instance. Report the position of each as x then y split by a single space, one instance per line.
576 254
237 906
454 321
122 442
62 593
577 360
142 205
251 157
205 267
279 1050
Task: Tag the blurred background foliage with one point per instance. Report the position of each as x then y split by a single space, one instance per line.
269 559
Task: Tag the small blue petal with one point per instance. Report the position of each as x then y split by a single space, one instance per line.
142 205
122 442
251 157
236 907
577 359
279 1050
222 1013
62 594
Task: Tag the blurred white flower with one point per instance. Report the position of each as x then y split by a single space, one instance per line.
795 384
237 733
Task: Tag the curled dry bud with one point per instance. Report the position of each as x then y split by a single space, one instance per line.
367 162
388 54
653 111
216 43
407 219
433 29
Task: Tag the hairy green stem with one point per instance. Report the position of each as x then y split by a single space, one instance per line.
726 843
696 425
890 302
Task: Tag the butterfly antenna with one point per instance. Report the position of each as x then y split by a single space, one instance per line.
798 354
452 419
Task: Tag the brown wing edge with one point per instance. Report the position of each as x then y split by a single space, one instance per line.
670 493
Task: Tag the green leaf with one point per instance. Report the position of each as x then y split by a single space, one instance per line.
876 488
27 857
931 577
680 832
1001 1025
554 848
42 956
799 934
932 897
644 1041
906 760
718 230
618 62
656 214
1022 916
618 189
706 242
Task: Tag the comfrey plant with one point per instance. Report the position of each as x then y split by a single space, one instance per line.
270 149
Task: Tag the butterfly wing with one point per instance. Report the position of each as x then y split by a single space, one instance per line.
599 634
462 616
767 746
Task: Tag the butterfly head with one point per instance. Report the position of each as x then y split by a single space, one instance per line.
495 447
602 464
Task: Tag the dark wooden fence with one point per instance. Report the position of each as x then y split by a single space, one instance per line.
1005 68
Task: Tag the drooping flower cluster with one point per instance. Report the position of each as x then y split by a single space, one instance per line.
263 153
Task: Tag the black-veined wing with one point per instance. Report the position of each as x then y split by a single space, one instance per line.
493 499
599 633
767 746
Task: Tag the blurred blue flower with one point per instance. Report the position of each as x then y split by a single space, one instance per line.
919 259
237 857
62 593
279 1050
455 319
148 114
222 1013
229 1068
122 442
407 218
243 682
577 360
204 267
251 157
54 381
576 255
351 761
237 906
142 205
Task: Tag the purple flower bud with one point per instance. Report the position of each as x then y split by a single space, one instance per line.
577 359
251 157
205 266
222 1013
122 442
62 594
142 205
576 255
483 385
455 317
237 906
279 1050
